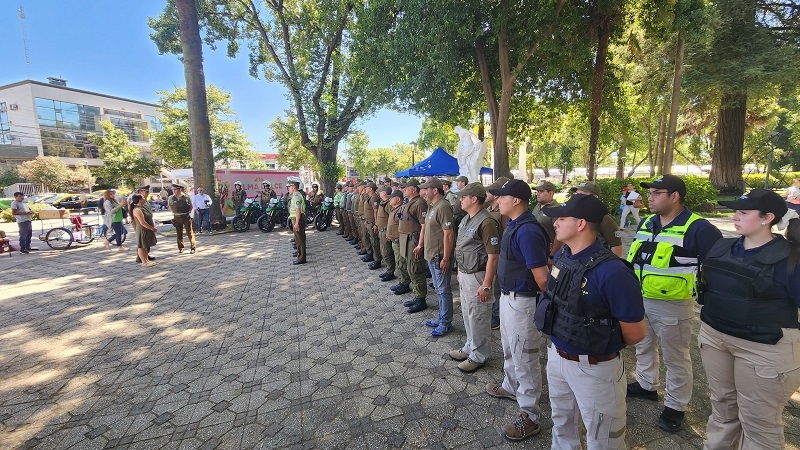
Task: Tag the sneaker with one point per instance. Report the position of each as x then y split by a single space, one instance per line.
431 323
458 355
441 330
469 366
521 428
497 391
636 390
495 324
670 419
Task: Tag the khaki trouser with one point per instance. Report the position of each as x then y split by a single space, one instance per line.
375 242
400 264
338 212
183 222
750 383
521 344
592 392
366 231
300 238
477 316
415 267
668 323
387 252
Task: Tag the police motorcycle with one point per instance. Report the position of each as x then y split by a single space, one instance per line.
276 213
323 218
249 214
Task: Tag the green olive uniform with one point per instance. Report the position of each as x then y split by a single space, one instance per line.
412 215
297 201
181 206
382 221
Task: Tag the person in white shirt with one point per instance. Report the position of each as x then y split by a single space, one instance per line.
201 202
23 215
631 206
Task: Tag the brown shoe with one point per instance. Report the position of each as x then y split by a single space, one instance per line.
497 391
521 428
458 355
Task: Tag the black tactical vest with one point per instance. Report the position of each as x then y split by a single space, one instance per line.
577 322
509 271
741 298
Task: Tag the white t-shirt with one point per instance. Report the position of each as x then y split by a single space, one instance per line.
199 201
21 206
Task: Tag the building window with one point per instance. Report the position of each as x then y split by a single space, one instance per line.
65 127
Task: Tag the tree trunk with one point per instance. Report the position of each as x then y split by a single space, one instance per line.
669 150
199 129
650 155
621 155
726 161
522 163
662 124
603 35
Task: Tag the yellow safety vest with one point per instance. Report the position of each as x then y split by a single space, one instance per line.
660 277
296 201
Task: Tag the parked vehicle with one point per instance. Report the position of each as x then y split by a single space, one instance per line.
324 217
276 213
73 201
249 214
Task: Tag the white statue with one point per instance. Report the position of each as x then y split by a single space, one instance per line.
469 154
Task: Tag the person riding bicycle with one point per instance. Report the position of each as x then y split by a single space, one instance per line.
239 196
266 194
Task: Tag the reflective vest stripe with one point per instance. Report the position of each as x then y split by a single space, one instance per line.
670 270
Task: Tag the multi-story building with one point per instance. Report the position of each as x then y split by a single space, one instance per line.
51 119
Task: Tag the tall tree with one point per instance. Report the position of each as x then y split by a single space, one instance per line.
228 142
438 55
754 47
306 45
48 171
122 163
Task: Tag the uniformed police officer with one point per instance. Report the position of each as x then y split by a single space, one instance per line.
544 198
665 253
522 274
370 228
238 196
395 201
297 214
266 195
438 241
181 205
382 223
412 215
592 309
476 254
144 191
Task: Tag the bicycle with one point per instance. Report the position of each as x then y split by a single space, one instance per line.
61 238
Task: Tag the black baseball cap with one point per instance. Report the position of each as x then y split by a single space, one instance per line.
515 188
669 182
580 206
759 200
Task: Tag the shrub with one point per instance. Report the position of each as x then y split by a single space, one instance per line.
777 180
699 191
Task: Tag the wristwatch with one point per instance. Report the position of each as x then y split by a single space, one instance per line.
486 288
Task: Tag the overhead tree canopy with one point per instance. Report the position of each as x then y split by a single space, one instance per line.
306 45
122 163
173 144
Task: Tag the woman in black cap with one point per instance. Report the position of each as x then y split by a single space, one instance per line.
749 337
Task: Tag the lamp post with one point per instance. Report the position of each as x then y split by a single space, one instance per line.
772 135
413 150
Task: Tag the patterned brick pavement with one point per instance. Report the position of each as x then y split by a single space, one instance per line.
234 347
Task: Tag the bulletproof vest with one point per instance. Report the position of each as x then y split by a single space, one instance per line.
740 295
577 322
383 214
407 223
182 204
471 253
239 196
509 271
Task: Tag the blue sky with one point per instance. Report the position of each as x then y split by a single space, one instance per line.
105 47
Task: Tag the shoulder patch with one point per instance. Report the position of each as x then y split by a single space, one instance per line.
494 241
617 233
447 224
424 213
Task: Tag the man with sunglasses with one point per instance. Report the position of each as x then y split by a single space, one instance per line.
666 251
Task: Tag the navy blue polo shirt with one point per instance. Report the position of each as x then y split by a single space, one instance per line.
529 244
697 241
789 282
612 283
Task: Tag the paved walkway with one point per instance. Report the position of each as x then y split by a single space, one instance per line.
234 347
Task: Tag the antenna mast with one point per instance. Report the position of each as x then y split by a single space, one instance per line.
25 41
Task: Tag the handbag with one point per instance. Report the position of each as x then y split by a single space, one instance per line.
638 203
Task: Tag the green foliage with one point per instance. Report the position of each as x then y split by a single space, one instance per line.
228 142
777 179
9 176
49 171
433 134
286 139
331 171
121 162
6 216
699 191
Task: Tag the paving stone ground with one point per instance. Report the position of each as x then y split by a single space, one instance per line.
234 347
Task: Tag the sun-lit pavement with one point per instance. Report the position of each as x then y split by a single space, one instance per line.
234 347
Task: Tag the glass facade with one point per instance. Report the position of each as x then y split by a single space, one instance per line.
64 127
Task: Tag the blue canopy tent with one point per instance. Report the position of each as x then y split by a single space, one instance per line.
440 163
